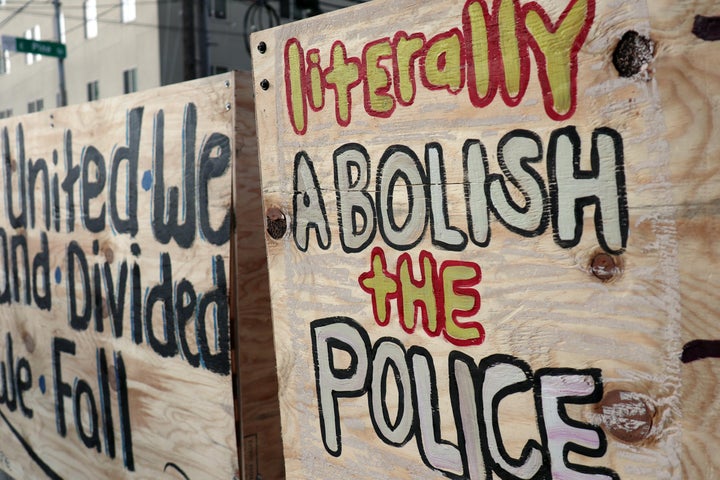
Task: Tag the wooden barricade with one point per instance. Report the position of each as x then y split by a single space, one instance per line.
490 238
131 247
488 241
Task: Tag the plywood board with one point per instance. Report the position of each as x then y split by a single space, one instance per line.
115 281
258 407
472 244
688 79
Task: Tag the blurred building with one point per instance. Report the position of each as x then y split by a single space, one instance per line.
121 46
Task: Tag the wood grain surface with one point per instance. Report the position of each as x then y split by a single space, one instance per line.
689 84
143 392
257 374
548 303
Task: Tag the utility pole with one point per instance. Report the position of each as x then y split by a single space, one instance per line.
61 61
204 54
188 34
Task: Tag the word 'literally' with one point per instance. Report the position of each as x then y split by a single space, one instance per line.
488 54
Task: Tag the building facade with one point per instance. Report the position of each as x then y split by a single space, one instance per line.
121 46
112 48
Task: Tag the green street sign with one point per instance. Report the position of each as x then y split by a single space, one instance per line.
38 47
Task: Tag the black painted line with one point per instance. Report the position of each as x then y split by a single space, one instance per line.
699 349
44 466
706 28
180 470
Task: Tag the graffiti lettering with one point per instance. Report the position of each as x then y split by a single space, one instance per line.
488 54
97 416
83 186
477 390
22 274
165 329
439 297
15 379
90 205
402 224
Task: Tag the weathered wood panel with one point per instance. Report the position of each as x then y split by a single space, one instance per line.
688 78
488 220
115 281
258 398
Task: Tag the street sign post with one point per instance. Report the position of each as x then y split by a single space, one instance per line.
50 49
38 47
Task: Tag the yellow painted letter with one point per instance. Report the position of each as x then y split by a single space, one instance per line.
418 294
444 62
317 93
461 301
556 47
377 79
406 49
480 86
294 72
342 76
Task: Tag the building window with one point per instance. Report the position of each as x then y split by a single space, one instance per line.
36 106
36 36
29 57
63 38
4 62
6 113
91 22
93 90
127 10
33 34
219 9
130 80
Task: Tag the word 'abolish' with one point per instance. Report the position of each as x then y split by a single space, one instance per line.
569 190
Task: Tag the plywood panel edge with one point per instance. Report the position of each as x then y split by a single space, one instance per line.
689 85
262 455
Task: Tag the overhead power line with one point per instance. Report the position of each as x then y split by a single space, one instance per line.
19 10
133 23
116 5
